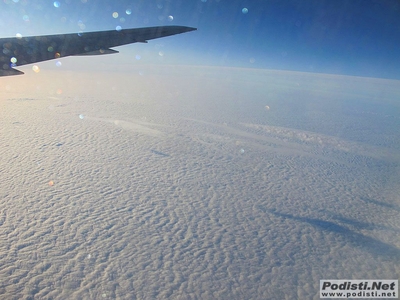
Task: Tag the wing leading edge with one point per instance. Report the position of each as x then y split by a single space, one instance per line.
32 49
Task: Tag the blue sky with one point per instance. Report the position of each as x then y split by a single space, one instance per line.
354 37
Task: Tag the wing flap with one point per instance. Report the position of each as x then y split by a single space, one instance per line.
10 72
98 52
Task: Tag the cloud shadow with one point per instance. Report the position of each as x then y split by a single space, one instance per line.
372 245
362 225
383 204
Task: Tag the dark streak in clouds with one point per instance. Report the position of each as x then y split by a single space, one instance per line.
372 245
159 153
382 204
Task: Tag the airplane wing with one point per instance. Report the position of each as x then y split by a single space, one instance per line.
20 51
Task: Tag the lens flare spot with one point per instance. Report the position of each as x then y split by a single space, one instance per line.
128 11
161 53
13 60
118 28
25 18
241 151
58 64
36 69
170 18
51 183
18 36
115 15
245 10
56 4
138 57
57 55
50 49
81 116
267 107
59 91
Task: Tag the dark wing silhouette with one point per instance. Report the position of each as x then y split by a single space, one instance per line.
20 51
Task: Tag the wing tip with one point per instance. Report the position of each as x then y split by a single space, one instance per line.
186 28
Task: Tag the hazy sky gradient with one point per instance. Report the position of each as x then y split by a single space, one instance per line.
354 37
